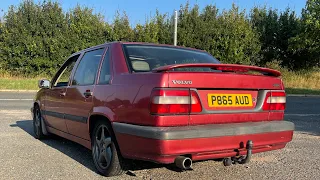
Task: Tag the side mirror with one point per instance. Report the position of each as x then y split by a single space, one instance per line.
43 83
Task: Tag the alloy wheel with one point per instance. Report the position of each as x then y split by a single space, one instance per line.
102 147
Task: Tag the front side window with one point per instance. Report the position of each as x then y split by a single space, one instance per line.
144 58
64 73
87 68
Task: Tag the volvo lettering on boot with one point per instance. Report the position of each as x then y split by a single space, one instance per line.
181 82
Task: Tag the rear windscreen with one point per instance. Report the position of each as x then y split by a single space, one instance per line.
144 58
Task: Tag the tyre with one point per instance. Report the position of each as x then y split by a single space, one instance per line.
107 158
37 120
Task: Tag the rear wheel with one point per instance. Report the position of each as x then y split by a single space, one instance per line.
107 159
37 120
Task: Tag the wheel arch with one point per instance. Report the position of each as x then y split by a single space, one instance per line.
43 124
97 113
98 117
94 118
35 103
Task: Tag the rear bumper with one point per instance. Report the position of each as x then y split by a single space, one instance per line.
163 144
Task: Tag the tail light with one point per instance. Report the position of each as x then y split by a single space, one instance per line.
275 100
174 101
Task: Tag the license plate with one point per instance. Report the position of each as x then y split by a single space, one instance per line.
229 100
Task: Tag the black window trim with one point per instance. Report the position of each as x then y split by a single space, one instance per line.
108 49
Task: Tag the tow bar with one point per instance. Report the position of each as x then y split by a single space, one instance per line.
241 159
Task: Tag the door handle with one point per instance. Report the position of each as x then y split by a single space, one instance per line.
87 93
62 93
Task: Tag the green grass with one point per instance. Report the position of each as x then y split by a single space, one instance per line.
295 82
18 84
303 91
302 82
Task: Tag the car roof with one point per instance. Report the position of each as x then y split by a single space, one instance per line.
166 45
134 43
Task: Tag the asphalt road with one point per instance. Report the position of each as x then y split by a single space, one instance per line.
16 100
23 157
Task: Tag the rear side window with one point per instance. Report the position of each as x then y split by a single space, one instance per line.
87 68
144 58
105 70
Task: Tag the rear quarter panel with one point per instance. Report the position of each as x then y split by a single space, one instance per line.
126 98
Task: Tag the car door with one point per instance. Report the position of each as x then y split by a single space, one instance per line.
54 113
78 99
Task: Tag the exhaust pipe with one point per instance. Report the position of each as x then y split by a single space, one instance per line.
183 162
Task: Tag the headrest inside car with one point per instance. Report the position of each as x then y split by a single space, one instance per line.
140 66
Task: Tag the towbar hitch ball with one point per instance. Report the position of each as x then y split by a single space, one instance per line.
249 152
241 159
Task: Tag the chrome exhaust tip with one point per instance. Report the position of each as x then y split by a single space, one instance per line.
183 162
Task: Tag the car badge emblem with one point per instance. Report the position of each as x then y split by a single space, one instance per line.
182 82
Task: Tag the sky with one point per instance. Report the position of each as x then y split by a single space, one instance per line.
138 10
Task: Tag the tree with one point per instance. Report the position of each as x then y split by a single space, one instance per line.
165 33
211 28
36 38
237 41
266 23
30 37
228 36
305 46
275 31
85 29
121 29
39 37
150 31
22 46
50 35
157 29
288 28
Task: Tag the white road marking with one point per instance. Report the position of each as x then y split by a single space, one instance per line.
16 99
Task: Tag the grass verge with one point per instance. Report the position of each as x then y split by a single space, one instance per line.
19 84
302 82
303 91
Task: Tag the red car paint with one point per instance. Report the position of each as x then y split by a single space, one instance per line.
200 149
126 100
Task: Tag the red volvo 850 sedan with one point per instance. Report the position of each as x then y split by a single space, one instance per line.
162 103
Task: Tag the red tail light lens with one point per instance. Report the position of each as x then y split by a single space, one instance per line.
168 101
195 103
275 101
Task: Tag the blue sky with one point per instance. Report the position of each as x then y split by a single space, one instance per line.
137 10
